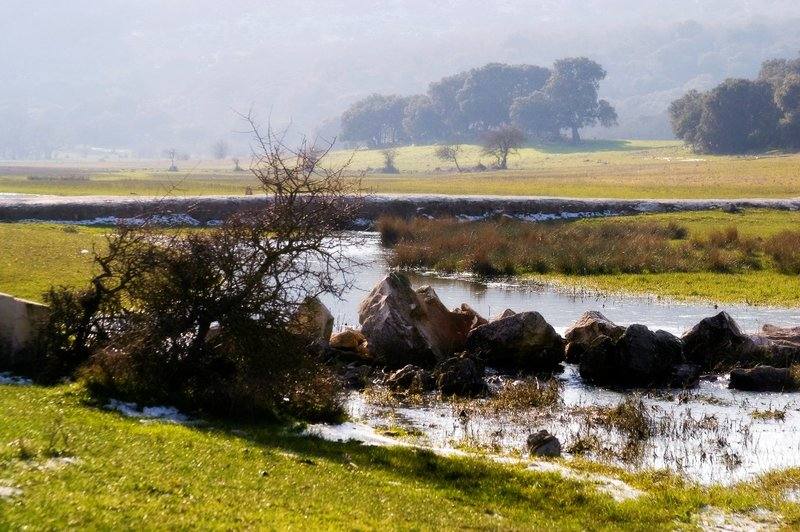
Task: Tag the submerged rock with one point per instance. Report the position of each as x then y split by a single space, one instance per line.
461 376
407 327
763 379
685 376
543 443
523 341
717 342
589 327
410 378
640 357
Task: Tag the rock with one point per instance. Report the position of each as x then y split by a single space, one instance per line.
685 376
476 319
763 379
407 327
590 326
640 357
782 345
347 340
507 313
717 342
410 378
543 443
461 376
313 319
523 341
357 377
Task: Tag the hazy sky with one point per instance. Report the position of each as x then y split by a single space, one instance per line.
151 73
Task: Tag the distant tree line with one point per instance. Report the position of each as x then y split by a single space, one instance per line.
541 102
742 115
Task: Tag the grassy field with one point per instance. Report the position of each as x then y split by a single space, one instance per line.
75 466
611 169
35 256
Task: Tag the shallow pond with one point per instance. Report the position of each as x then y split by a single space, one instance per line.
710 434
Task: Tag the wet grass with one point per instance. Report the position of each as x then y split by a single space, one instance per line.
81 467
609 169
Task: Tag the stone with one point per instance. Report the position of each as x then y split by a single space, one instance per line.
358 376
410 378
314 320
543 444
590 326
763 379
781 344
476 319
21 322
717 343
640 357
685 376
507 313
523 341
407 327
461 376
347 340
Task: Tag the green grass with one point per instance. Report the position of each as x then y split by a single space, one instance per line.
135 475
610 169
35 256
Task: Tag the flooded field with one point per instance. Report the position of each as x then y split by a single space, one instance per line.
710 434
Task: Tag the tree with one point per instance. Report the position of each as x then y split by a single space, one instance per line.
172 153
535 114
488 92
220 149
738 116
376 120
389 156
572 88
787 97
685 114
449 152
501 142
421 123
442 95
207 319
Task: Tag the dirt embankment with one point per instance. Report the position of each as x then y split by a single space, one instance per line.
203 210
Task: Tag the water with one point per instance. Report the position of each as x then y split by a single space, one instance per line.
709 434
560 307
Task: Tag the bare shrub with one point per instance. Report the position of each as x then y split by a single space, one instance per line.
201 318
784 248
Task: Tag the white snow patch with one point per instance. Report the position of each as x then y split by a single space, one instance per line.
162 413
351 432
9 492
12 380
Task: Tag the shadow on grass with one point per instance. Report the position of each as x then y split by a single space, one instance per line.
586 146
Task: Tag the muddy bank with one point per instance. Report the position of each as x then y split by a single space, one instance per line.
201 210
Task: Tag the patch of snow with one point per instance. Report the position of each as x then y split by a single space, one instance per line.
717 520
13 380
161 413
9 492
618 489
648 206
349 431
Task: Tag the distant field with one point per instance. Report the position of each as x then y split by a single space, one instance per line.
611 169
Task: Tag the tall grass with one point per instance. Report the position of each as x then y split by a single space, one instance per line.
506 246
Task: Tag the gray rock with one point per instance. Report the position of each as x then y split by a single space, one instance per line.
763 379
717 343
460 376
589 327
314 320
410 378
523 341
640 357
407 327
543 443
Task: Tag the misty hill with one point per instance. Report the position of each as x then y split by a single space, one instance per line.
150 75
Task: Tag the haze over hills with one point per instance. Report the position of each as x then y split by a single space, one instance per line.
150 75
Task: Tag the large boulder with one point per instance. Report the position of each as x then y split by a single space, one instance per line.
717 343
589 327
407 327
543 443
763 379
460 376
314 320
349 346
523 341
640 357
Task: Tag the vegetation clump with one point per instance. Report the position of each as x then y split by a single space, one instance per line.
508 247
207 320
